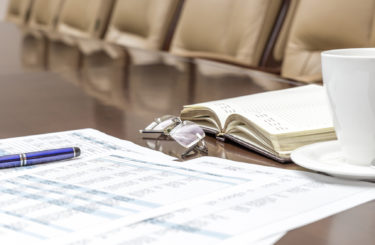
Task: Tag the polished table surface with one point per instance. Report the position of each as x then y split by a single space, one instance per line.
120 90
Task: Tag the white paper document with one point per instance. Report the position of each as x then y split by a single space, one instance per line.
91 142
261 201
126 197
64 198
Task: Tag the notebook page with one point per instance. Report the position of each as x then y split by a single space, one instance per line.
222 108
286 111
282 111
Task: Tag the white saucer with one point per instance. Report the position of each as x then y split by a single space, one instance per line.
326 157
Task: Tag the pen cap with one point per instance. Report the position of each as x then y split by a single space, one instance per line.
77 151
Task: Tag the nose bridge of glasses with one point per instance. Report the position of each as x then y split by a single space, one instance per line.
172 127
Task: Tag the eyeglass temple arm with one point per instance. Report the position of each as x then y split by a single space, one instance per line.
145 131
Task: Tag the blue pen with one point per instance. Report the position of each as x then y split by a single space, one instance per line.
38 157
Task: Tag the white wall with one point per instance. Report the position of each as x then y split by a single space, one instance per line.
3 8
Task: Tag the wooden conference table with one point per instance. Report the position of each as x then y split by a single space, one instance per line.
123 93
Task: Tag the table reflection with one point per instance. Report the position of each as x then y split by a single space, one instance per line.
34 50
133 86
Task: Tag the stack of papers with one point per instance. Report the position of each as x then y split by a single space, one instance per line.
121 193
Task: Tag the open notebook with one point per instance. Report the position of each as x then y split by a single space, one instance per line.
272 123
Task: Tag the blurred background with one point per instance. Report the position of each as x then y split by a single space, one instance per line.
3 5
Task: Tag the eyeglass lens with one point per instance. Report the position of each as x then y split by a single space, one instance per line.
187 134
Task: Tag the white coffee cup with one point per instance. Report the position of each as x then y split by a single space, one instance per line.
349 79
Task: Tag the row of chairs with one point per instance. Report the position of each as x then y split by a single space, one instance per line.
229 30
265 34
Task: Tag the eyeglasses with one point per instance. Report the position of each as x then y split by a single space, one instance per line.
186 133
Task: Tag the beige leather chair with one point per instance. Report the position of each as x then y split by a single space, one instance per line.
18 11
274 51
44 15
145 24
138 23
84 18
79 19
234 31
141 23
326 24
43 18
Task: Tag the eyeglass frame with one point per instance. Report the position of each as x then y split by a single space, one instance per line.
197 145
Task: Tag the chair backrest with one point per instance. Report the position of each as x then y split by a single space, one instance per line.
320 25
84 18
233 31
142 23
275 48
44 14
18 11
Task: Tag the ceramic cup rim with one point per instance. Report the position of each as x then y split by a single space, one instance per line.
350 53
